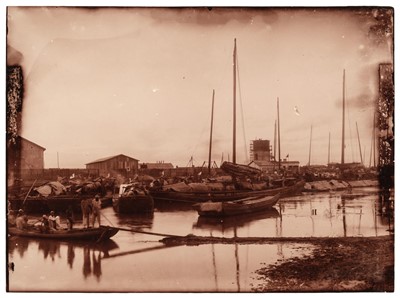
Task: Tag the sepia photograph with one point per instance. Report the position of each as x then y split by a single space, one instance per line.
199 149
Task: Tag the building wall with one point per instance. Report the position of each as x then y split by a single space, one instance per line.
32 156
260 150
121 163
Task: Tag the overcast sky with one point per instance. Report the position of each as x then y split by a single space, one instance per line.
139 81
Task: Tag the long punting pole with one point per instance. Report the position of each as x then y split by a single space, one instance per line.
279 138
309 151
234 104
359 144
329 149
211 131
343 113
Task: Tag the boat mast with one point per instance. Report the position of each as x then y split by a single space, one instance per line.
234 104
329 149
279 138
343 115
309 151
211 131
275 142
359 144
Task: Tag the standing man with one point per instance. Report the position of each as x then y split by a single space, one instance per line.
86 206
96 203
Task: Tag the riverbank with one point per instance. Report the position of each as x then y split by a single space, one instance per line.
344 264
335 265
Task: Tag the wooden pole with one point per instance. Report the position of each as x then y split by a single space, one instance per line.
211 131
309 151
359 144
343 116
279 138
29 192
275 142
329 149
234 104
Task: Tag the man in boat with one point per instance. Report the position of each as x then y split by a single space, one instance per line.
22 220
54 221
96 203
70 217
45 224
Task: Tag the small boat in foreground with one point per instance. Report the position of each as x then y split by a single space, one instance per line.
101 233
237 207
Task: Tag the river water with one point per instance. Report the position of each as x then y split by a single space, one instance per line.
135 262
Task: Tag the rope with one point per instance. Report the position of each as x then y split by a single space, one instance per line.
106 218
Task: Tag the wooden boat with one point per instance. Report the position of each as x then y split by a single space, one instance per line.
92 234
134 204
222 196
57 203
133 199
238 207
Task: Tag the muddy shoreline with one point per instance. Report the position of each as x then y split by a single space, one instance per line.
344 264
335 265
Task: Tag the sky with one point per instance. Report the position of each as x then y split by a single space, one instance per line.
139 81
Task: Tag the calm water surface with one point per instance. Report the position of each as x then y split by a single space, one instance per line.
134 262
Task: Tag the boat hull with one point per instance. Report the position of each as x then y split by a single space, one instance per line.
92 234
224 196
134 204
238 207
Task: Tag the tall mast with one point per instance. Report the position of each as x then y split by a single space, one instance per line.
275 142
329 149
279 138
234 104
359 144
211 131
343 114
309 151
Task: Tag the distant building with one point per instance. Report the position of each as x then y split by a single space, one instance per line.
23 155
161 165
120 164
262 158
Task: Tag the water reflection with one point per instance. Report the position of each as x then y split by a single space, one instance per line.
57 252
137 262
137 221
90 256
233 222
